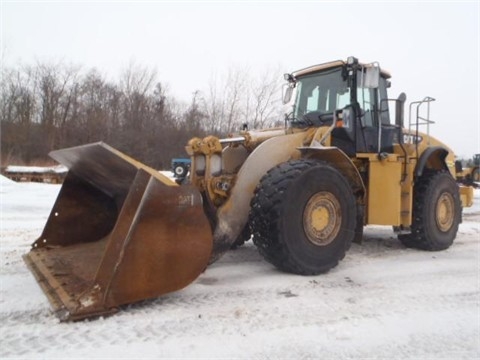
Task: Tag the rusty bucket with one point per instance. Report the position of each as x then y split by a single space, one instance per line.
119 232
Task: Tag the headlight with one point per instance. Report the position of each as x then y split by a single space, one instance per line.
199 164
215 164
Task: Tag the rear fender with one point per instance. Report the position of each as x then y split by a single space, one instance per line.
432 158
232 216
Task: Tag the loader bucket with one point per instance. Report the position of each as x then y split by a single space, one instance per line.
119 232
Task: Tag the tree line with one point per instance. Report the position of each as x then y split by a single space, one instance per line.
44 107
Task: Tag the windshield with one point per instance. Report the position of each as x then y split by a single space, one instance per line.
319 94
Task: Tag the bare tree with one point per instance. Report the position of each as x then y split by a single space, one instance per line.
136 83
17 110
47 106
263 100
223 103
242 98
53 83
235 90
212 106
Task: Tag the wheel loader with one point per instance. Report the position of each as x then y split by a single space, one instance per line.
120 232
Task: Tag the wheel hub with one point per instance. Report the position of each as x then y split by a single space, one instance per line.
321 218
445 212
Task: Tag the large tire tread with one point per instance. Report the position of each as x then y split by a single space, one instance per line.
420 236
266 210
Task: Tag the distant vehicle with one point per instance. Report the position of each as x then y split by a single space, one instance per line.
469 176
180 167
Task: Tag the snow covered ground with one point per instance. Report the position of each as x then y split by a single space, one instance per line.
382 301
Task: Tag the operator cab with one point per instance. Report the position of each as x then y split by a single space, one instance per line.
353 94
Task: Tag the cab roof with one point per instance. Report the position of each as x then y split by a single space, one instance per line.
331 65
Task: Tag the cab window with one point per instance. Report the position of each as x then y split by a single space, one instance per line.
366 99
321 92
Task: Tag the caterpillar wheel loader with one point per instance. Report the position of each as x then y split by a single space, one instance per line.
120 232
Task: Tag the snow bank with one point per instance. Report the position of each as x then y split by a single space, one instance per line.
36 169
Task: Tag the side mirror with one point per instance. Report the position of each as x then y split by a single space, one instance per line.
371 78
287 93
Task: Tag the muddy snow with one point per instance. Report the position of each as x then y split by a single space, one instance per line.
382 301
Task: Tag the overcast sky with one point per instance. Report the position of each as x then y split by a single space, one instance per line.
430 48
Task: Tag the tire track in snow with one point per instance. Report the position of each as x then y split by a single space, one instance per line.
217 304
187 313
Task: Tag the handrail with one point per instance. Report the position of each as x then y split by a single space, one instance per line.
419 120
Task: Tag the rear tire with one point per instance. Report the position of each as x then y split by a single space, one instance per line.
303 217
437 212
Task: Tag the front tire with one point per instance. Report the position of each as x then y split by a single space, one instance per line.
437 212
303 217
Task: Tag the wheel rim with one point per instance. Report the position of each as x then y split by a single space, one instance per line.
445 212
179 170
322 218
